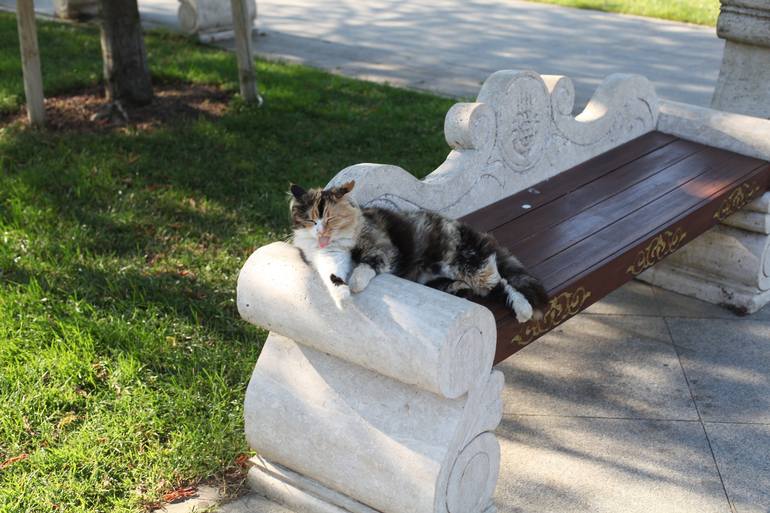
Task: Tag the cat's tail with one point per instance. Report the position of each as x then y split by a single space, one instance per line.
518 285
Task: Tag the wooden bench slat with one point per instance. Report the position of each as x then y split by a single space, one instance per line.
597 228
503 211
615 195
539 249
607 275
561 267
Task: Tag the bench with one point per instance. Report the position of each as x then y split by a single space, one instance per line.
600 224
390 404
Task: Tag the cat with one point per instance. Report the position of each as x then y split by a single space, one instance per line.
349 245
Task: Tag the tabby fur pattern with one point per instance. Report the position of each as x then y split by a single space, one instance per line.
349 246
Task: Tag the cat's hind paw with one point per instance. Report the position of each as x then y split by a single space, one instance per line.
523 311
519 304
361 277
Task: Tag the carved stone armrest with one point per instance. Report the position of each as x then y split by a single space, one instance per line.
387 404
397 328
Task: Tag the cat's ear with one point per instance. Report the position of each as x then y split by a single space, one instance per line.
344 188
297 191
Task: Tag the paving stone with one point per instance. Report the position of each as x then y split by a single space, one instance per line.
609 366
633 298
206 497
570 465
672 304
727 365
762 315
251 503
742 452
463 42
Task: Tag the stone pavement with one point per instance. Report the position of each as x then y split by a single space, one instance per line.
647 402
451 46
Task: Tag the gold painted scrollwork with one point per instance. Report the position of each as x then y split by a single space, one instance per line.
560 308
659 247
736 200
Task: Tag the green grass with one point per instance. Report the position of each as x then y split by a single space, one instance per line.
702 12
123 361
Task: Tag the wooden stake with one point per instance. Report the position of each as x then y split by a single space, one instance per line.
30 61
242 28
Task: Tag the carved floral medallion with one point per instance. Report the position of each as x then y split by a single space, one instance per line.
523 123
736 200
658 248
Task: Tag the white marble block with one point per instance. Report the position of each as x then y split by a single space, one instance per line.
76 9
520 131
210 19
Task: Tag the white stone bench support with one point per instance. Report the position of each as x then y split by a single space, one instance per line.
390 405
519 132
729 265
75 9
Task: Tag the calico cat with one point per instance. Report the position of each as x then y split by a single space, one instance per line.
349 245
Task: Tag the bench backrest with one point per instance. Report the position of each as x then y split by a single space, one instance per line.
519 132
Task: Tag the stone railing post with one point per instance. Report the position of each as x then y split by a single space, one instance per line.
211 20
76 9
744 79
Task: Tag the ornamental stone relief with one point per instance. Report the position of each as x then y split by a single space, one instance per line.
524 123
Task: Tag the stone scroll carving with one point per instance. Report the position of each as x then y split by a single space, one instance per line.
520 131
387 405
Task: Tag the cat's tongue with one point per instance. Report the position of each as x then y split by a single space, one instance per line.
323 242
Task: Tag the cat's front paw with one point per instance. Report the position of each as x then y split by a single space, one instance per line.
340 290
361 277
340 294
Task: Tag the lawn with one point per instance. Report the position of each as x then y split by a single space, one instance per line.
123 361
702 12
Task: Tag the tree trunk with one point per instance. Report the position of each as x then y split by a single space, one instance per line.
30 61
126 73
242 24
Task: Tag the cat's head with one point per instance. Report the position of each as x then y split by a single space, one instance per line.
327 217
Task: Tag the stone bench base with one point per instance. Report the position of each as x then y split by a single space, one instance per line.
728 266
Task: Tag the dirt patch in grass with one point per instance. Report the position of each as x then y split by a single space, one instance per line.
83 111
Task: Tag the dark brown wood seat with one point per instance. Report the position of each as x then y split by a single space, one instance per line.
596 226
